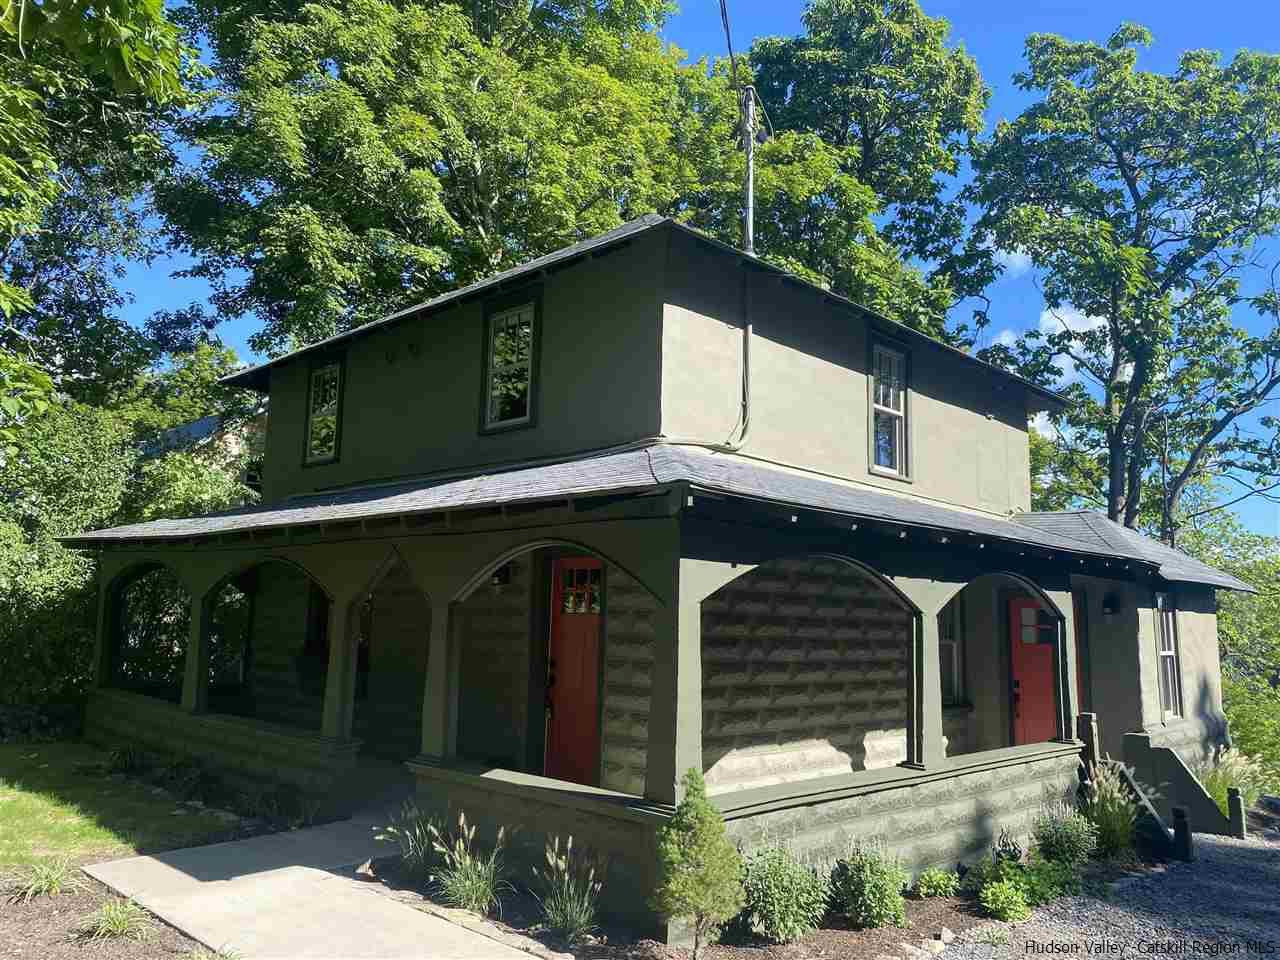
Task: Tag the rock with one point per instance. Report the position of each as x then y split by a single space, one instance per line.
934 947
945 935
915 953
365 871
1270 802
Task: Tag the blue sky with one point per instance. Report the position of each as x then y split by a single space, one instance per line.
993 33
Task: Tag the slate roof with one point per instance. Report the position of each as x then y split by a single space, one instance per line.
257 377
652 468
1089 526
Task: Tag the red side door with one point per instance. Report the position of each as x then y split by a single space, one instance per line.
573 671
1032 639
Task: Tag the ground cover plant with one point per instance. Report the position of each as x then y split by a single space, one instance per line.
116 919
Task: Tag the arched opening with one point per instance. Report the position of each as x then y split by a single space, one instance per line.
151 625
392 634
267 631
999 642
554 652
806 673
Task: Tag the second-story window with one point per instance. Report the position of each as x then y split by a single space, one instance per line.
324 404
508 387
888 411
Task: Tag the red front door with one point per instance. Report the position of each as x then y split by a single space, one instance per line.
1032 639
573 671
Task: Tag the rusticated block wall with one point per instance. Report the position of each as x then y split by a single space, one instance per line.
805 673
936 822
628 672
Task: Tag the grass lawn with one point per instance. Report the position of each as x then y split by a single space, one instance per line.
51 806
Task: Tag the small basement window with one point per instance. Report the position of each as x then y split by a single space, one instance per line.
323 413
508 388
888 411
1170 668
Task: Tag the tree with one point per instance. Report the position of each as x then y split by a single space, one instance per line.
700 869
1139 196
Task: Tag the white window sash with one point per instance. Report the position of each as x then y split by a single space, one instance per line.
508 319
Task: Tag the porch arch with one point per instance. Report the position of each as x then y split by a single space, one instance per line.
807 671
499 632
148 627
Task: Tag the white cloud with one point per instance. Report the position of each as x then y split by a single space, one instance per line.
1066 317
1042 424
1015 262
1006 337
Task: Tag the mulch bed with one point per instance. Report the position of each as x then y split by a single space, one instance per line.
44 929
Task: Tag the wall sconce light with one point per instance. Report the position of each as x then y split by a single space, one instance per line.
501 577
1110 605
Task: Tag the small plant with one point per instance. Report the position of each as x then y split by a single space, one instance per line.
116 919
570 881
990 869
1005 900
1109 806
280 804
1233 769
993 936
700 871
189 779
867 888
1044 880
44 878
785 899
1007 847
1065 835
935 882
412 829
130 761
465 877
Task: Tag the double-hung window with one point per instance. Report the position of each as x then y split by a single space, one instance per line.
324 410
509 368
951 652
888 411
1170 668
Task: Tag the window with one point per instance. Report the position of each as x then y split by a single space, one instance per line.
888 411
951 649
1170 669
508 388
323 409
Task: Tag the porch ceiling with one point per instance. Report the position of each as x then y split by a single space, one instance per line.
648 470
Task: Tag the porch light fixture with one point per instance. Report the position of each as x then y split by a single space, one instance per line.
501 577
902 534
853 526
945 540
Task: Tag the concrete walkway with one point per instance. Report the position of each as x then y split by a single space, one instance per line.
273 898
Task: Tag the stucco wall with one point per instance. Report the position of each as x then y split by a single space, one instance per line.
413 390
1202 729
1113 641
805 673
630 625
968 442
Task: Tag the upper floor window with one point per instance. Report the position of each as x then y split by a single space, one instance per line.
324 404
508 385
1170 668
888 411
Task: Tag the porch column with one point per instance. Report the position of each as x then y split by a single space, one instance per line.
675 711
1065 665
928 746
104 637
436 708
195 680
340 678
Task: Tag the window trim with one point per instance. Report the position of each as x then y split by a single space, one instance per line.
959 691
904 474
317 364
530 296
1164 606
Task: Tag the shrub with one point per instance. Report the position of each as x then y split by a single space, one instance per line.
1065 835
1253 710
1007 846
465 877
990 869
937 883
281 805
785 899
116 919
867 888
44 878
1044 880
411 830
570 882
1004 900
700 871
1110 807
130 761
1233 769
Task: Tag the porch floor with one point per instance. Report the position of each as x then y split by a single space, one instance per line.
277 898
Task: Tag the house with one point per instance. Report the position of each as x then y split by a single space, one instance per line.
641 505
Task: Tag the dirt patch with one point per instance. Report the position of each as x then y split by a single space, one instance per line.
45 929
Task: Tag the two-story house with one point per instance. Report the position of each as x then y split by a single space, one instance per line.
642 505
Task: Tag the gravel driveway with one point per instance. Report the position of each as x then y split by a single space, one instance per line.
1224 904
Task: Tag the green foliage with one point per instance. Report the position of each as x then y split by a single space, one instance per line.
991 869
1005 900
44 878
464 875
935 882
866 887
1109 805
1044 880
116 919
131 761
413 830
700 871
785 900
1233 768
1253 709
570 883
1064 835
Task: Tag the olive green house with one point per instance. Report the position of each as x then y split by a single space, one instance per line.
643 505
